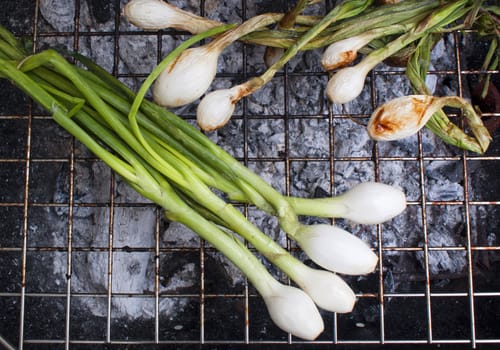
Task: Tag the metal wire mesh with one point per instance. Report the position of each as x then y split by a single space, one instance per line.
37 159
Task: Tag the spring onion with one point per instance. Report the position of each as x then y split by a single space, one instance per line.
404 116
158 14
293 311
343 52
190 75
366 203
383 33
347 84
217 107
439 122
94 108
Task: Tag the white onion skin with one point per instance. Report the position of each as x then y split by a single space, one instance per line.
292 310
346 84
187 78
216 108
336 249
328 290
158 14
372 203
401 117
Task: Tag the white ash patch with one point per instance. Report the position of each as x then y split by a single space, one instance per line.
59 13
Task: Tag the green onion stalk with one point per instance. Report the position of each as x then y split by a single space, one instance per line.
290 308
174 165
403 12
181 148
487 22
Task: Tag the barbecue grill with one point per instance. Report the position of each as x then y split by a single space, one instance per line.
87 263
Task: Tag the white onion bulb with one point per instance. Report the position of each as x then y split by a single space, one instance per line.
157 14
292 310
343 52
217 107
371 203
402 117
328 290
187 78
336 249
347 84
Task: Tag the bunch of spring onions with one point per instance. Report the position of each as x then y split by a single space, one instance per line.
397 30
173 164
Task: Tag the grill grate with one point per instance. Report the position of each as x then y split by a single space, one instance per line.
54 195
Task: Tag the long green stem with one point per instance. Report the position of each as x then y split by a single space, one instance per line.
89 120
212 177
490 62
194 141
375 17
142 176
345 9
66 69
197 190
236 220
12 44
59 113
165 125
132 116
320 207
141 179
228 245
238 223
